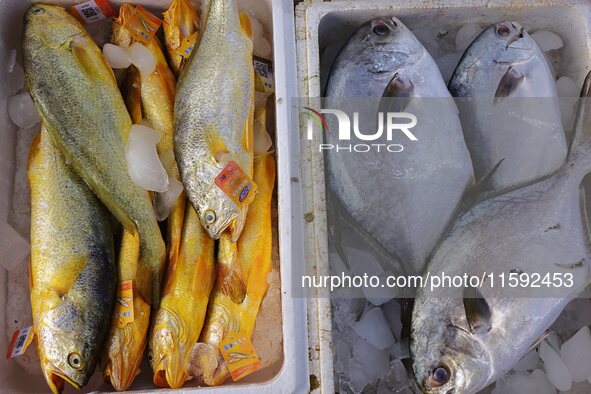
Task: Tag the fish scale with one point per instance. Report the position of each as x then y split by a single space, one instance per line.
72 271
86 117
539 228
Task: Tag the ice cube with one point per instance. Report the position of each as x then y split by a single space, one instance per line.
16 79
357 375
576 354
117 56
143 163
558 373
345 311
529 362
374 328
22 111
397 378
522 383
13 248
260 43
165 201
381 294
392 312
142 58
400 350
342 354
466 35
547 40
373 361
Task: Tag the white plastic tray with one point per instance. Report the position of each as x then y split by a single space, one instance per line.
321 25
292 376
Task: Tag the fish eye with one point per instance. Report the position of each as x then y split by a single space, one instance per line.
150 356
440 376
209 216
503 30
381 29
75 361
37 10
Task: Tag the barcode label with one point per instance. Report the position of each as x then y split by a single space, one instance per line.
21 339
92 11
263 75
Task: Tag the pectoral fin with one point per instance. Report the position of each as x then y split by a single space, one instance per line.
473 194
508 84
478 313
396 95
245 24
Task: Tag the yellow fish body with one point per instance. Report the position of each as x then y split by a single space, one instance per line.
250 260
86 117
72 273
213 130
181 22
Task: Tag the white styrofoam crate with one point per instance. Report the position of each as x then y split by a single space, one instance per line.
292 375
323 27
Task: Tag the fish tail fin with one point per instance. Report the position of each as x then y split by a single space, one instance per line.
245 24
229 275
579 155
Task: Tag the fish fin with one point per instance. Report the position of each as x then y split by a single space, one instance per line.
478 312
339 218
229 274
538 341
395 96
245 24
216 145
475 191
82 52
508 84
238 224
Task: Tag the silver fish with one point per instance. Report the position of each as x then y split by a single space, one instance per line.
513 114
403 200
463 339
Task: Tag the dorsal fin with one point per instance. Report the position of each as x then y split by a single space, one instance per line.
474 192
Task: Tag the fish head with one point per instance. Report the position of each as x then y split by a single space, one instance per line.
448 358
67 346
382 46
168 350
50 26
510 42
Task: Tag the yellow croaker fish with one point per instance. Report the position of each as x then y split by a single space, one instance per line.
126 342
241 281
156 96
86 117
72 274
181 26
182 312
213 130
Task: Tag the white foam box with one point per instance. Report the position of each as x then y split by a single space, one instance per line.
322 28
290 375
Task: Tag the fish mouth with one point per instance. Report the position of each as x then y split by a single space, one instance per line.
173 375
121 374
56 378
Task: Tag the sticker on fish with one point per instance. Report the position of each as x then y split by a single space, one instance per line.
20 341
263 74
92 11
141 23
239 355
234 182
186 45
124 305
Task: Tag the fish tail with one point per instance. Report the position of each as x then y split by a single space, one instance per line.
579 155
